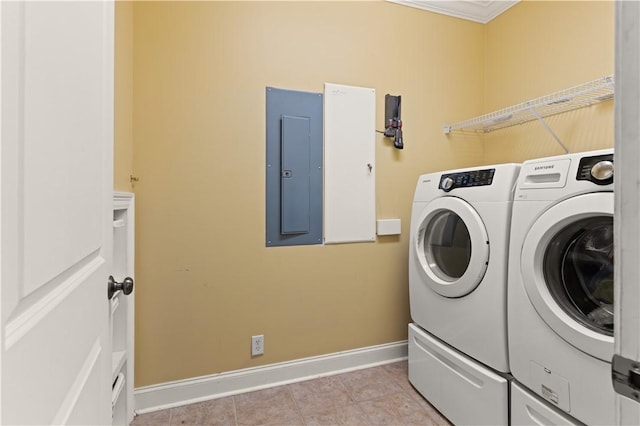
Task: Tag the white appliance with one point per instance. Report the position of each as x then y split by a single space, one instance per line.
560 298
457 291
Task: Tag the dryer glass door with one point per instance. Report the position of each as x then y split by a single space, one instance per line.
452 247
447 245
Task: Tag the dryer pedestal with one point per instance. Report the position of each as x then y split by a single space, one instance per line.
463 390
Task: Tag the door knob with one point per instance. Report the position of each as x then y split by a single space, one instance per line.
126 286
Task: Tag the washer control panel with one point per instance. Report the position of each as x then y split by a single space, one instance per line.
468 179
597 169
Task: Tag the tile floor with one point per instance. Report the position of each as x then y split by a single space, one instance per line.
373 396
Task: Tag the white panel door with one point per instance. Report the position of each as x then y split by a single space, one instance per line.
349 158
56 209
627 197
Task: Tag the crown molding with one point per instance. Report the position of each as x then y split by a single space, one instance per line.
472 10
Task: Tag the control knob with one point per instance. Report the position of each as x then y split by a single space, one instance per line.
447 184
602 170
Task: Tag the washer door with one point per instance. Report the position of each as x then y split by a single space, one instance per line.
567 271
452 247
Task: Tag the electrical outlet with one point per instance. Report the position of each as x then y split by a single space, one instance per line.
257 345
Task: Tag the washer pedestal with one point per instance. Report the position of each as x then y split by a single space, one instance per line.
528 409
463 390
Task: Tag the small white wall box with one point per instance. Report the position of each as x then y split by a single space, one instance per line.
388 226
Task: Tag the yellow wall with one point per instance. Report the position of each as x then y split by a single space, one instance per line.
205 281
123 96
537 48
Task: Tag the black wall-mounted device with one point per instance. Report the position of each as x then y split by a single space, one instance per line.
392 120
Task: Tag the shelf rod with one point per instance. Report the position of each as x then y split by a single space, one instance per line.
547 128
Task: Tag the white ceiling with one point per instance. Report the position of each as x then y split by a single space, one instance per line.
473 10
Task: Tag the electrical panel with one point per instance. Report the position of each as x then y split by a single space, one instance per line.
293 167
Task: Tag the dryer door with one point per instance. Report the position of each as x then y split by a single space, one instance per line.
567 271
452 247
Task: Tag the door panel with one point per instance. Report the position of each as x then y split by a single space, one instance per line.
55 204
57 134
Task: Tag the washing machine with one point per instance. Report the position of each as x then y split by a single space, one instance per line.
457 291
560 296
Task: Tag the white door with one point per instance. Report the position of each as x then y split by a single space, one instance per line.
627 204
55 206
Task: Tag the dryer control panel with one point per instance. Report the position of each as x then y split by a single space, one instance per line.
597 169
466 179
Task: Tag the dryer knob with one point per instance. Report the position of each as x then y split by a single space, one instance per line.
602 170
447 184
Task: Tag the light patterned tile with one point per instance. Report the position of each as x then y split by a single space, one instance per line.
400 368
320 394
369 383
156 418
433 412
215 412
400 373
397 409
348 415
274 406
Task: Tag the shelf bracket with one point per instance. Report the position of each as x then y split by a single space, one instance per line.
546 127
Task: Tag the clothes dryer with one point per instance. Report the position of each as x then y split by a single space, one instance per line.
458 259
457 291
560 297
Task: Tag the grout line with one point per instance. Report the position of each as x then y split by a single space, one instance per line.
295 403
346 388
388 378
336 408
235 411
369 421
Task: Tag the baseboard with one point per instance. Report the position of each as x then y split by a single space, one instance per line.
173 394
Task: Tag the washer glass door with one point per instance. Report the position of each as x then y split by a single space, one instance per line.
452 247
567 271
578 268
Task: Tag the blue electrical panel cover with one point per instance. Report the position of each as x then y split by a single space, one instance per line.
294 167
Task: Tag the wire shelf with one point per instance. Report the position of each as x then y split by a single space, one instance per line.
580 96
